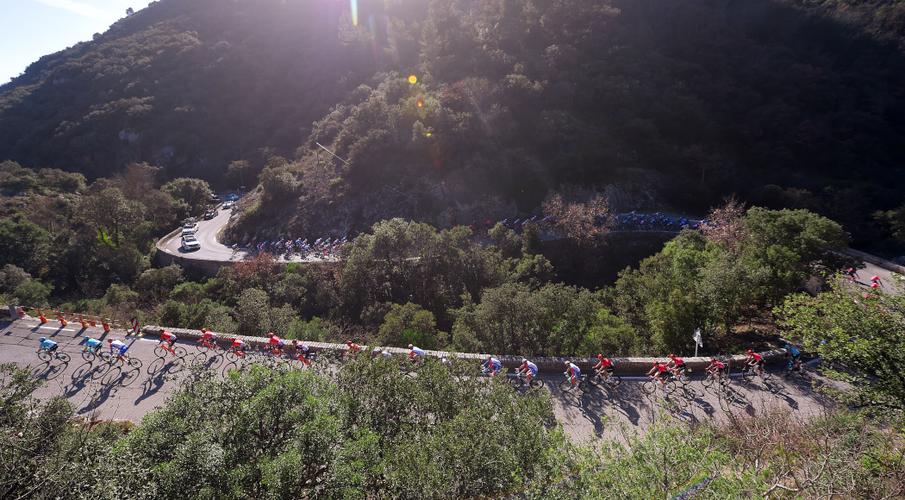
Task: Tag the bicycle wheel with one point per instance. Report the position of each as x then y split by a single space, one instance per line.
613 380
134 363
669 387
112 376
231 356
88 356
537 383
566 385
180 351
62 356
44 356
160 351
649 387
585 385
129 377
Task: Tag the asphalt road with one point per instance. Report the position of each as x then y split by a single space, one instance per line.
208 234
616 414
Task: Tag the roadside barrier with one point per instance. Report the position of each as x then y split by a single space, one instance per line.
64 318
624 366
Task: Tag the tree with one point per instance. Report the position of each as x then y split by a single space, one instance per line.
582 221
726 226
32 292
195 194
241 173
409 324
156 284
789 246
552 320
24 245
253 312
866 335
110 215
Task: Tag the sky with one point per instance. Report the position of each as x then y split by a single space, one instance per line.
30 29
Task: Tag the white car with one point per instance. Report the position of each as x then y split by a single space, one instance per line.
228 205
188 231
190 245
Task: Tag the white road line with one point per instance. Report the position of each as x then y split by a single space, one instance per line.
57 329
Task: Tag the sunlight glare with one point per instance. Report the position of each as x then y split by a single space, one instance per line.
413 79
353 6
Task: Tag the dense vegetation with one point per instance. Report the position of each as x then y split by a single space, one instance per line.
372 432
401 282
789 103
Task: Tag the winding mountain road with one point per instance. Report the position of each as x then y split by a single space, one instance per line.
616 414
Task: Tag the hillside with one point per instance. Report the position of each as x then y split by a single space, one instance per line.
789 103
187 85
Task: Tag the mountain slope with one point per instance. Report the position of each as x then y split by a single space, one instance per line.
189 85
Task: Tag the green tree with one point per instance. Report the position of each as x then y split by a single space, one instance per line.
554 319
253 312
194 194
409 323
33 293
155 284
24 244
866 335
111 217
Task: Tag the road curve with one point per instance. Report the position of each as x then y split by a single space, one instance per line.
614 414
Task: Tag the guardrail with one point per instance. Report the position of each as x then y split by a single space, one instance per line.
624 366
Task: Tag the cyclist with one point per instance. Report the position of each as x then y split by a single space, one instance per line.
47 345
492 366
755 361
676 365
416 352
527 370
573 373
852 273
302 352
353 347
238 346
875 280
604 366
276 344
91 345
660 371
716 368
119 347
208 337
169 339
794 357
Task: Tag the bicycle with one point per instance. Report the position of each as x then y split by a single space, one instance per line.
161 351
716 378
113 359
89 354
582 384
518 382
650 386
47 356
609 380
750 371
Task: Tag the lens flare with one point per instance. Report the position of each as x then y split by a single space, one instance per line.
413 79
428 134
420 103
353 7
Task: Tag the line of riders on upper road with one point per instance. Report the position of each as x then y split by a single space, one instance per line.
661 371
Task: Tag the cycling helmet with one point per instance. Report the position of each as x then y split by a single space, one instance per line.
749 351
524 360
411 346
42 339
567 362
600 356
671 355
109 341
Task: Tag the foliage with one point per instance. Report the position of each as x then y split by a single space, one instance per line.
863 335
193 195
514 319
580 221
410 324
298 434
24 244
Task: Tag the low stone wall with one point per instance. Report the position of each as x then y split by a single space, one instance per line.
624 366
877 261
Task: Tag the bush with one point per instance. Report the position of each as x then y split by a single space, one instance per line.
410 324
